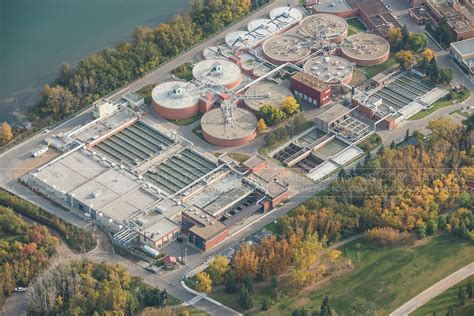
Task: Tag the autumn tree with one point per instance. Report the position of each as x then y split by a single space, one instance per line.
218 268
58 100
427 55
261 125
6 134
203 282
405 58
417 42
394 36
271 114
290 105
245 263
305 257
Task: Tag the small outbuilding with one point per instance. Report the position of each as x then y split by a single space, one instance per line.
170 262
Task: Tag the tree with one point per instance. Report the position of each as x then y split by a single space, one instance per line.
266 303
230 282
274 281
245 263
417 42
427 55
405 36
305 256
261 125
6 134
57 100
432 227
462 296
203 282
218 268
394 36
393 145
469 289
405 58
407 134
290 105
445 75
271 114
325 309
245 300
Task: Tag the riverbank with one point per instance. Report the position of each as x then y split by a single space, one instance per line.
53 37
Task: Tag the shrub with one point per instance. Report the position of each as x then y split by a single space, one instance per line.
386 236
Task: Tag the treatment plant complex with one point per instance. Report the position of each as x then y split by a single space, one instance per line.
129 173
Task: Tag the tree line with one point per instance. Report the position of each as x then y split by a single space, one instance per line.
87 288
76 238
25 250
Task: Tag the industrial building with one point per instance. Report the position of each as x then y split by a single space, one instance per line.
374 13
310 88
365 49
325 26
330 69
458 14
229 126
403 96
463 54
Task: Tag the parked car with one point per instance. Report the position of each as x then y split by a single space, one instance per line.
20 289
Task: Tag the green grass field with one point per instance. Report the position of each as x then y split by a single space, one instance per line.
441 103
356 24
371 71
145 93
441 303
186 122
384 278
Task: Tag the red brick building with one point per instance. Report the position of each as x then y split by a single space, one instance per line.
309 88
202 229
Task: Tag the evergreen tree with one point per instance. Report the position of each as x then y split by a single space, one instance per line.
393 145
381 150
245 300
325 309
469 290
230 283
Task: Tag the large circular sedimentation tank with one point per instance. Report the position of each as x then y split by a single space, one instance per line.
217 72
330 69
262 27
215 52
286 48
240 39
175 100
285 15
327 26
365 49
265 92
219 130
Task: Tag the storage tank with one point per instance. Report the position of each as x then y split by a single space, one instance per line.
175 100
217 72
365 49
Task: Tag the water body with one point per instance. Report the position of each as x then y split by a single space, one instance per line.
37 36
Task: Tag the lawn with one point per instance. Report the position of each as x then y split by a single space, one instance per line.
370 143
371 71
441 303
145 93
457 97
186 122
356 24
384 278
183 71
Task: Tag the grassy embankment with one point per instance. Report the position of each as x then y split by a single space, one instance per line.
355 26
456 97
440 304
382 279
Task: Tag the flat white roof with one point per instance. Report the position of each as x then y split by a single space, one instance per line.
465 47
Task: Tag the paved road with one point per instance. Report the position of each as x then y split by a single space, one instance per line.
434 290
